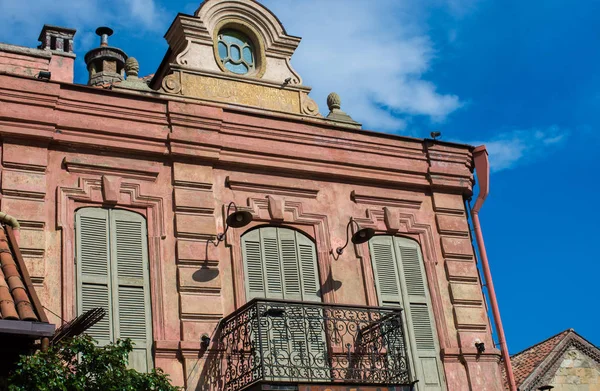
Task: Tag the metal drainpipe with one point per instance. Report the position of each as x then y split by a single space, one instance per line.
482 168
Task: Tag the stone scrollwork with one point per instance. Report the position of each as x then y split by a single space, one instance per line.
309 106
181 57
171 84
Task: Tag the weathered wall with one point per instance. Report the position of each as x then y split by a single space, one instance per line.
577 372
23 61
181 163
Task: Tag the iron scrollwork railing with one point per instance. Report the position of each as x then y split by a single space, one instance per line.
284 341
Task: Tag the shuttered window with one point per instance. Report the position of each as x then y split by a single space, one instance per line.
112 273
401 282
281 263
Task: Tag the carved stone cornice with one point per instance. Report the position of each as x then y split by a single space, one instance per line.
227 137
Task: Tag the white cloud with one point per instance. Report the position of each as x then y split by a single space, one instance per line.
145 11
373 53
21 21
510 149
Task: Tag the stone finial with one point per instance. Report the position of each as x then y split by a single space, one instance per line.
334 102
133 82
132 67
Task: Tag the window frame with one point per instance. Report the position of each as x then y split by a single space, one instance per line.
257 43
407 302
113 279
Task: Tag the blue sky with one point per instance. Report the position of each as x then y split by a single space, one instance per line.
520 76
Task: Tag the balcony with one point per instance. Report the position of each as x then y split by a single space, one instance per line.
274 341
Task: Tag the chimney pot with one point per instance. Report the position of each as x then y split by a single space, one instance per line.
104 33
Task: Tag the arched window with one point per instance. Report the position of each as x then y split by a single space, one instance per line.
401 282
236 52
280 263
112 273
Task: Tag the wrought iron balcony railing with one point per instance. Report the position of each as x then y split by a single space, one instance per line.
285 341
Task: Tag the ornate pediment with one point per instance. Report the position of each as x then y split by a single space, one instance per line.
234 52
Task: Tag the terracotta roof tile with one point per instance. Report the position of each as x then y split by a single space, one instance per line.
16 291
525 362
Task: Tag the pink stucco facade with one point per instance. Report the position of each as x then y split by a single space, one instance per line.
179 162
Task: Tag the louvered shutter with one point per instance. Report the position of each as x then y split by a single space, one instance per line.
271 262
290 264
307 255
385 268
130 276
253 262
420 315
310 339
281 263
389 290
92 257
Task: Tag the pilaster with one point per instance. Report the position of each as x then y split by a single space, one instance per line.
24 196
470 317
199 280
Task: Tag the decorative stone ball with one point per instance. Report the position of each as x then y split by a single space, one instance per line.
132 67
334 101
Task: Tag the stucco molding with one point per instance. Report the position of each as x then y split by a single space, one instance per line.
313 224
89 192
405 223
400 202
114 166
269 186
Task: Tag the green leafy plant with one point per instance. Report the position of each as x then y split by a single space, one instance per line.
78 364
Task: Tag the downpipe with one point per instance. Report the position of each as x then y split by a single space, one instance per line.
482 169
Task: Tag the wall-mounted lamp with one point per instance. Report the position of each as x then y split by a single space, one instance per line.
205 340
44 75
545 388
480 346
361 235
237 219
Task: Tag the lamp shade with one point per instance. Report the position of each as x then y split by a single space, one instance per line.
239 219
363 235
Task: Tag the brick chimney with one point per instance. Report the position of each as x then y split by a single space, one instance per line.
59 41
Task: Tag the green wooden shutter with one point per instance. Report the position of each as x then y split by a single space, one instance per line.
130 277
388 286
400 281
290 264
92 257
309 275
420 315
281 263
385 269
254 273
271 263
